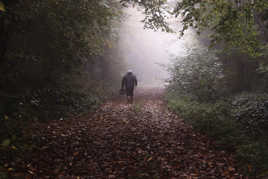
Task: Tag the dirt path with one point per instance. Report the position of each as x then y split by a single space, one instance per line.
143 140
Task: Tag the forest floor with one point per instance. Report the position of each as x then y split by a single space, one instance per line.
143 140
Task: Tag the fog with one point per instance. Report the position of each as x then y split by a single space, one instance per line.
148 52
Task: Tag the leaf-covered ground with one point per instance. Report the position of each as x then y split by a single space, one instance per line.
143 140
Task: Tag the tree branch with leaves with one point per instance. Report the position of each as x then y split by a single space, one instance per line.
232 23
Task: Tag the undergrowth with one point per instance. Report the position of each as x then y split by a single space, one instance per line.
237 124
18 114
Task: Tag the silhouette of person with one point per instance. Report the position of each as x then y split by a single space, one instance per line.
129 82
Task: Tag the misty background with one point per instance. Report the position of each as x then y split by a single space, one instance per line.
148 52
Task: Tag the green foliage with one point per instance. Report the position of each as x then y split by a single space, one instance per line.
3 175
211 119
237 122
155 13
233 23
137 108
254 153
12 135
5 143
250 111
56 63
58 103
2 7
73 29
198 75
56 56
217 121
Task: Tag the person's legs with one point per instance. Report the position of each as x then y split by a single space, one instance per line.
131 99
128 99
130 95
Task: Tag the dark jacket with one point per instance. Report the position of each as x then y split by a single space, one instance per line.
129 81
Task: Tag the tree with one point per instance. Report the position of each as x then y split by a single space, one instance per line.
50 49
198 75
237 23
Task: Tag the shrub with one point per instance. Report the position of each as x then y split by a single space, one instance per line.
212 119
253 156
249 110
197 91
232 124
198 75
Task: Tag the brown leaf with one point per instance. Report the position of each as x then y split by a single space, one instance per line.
112 176
149 159
231 169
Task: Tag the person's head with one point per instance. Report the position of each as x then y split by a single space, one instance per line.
129 71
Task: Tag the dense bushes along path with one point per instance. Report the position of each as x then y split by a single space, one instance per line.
143 140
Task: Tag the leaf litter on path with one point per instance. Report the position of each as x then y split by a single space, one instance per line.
143 140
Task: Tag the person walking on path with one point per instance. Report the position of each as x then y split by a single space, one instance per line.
129 82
